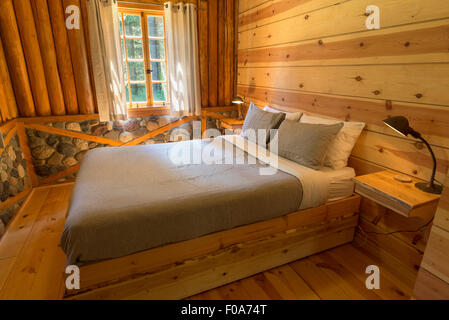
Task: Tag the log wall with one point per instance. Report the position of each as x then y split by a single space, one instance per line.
319 57
45 68
48 64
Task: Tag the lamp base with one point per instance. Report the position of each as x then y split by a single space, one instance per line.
429 188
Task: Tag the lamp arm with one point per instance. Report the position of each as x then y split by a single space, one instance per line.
432 179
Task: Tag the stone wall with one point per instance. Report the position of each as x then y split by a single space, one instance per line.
13 179
54 153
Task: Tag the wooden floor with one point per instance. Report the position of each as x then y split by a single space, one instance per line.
31 264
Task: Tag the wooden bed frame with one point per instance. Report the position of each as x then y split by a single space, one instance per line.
182 269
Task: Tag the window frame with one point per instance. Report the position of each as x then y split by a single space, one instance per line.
144 13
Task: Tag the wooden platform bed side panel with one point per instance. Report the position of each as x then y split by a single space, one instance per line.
182 269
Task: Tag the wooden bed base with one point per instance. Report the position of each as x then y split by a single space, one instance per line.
182 269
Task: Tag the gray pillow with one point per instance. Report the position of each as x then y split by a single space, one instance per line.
257 119
306 143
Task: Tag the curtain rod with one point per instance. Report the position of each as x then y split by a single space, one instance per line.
152 4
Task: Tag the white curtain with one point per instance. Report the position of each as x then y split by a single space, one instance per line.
183 60
104 35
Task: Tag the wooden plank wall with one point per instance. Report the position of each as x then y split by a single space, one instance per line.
318 56
433 277
49 66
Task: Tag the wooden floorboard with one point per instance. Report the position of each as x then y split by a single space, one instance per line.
336 274
31 263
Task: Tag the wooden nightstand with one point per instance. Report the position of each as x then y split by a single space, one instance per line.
403 198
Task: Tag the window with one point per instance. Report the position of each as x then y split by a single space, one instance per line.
144 57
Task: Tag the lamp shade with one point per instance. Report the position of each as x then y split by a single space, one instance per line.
399 124
237 100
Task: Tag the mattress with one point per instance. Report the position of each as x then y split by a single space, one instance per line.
341 184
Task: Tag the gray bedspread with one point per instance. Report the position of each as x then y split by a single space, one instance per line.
131 199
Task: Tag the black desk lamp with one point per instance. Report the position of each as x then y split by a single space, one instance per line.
401 125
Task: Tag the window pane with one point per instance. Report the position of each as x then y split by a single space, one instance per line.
123 49
157 50
158 73
159 92
127 93
156 26
121 24
134 48
136 71
132 25
125 71
139 92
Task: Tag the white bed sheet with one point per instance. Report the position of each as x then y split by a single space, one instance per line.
341 184
319 186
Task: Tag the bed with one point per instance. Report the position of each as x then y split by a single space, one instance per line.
167 226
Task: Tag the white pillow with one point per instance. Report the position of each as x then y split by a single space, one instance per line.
292 116
340 150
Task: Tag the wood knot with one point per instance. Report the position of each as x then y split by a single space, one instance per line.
320 42
376 92
407 44
362 44
381 150
301 85
268 74
287 56
224 274
415 171
358 78
269 36
306 16
388 105
283 99
419 145
418 95
416 239
254 34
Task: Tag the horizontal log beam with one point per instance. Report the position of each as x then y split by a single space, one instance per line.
160 131
60 175
13 200
66 118
72 134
